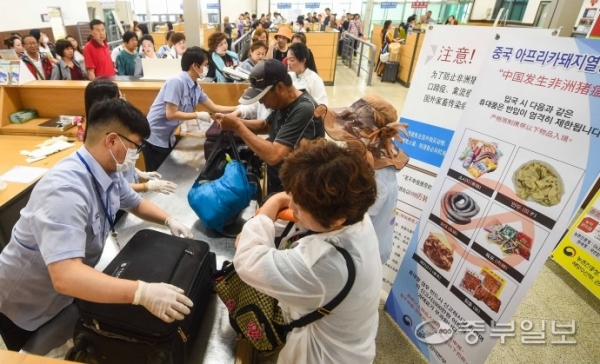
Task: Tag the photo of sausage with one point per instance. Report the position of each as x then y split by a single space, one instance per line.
459 207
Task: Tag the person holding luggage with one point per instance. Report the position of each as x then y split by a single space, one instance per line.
62 230
291 120
175 103
329 190
387 37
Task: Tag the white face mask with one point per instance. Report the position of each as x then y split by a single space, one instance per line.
130 158
204 72
45 39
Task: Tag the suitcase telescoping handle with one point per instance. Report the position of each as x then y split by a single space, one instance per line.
187 263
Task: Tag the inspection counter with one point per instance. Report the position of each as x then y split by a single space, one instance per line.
16 195
53 98
216 340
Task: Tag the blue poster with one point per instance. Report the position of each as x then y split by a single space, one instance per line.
284 5
520 162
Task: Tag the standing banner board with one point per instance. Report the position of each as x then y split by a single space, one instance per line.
447 69
523 157
579 251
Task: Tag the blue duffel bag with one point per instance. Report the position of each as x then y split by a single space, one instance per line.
222 190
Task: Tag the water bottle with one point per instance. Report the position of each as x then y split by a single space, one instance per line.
80 129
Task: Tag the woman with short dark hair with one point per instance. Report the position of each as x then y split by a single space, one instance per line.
78 52
220 57
67 68
329 190
15 43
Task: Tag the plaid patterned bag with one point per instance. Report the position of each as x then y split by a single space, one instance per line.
252 314
258 318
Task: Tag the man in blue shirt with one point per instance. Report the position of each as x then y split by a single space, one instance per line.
176 103
62 230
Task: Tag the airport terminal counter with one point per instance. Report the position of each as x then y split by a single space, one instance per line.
216 340
16 195
53 98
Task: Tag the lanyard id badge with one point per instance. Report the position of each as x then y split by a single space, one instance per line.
111 221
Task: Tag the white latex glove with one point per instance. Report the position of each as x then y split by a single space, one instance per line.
203 116
163 300
147 175
178 229
161 186
183 129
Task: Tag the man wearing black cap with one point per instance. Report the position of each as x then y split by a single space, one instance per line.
291 120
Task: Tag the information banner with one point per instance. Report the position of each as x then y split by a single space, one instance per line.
524 154
447 69
579 251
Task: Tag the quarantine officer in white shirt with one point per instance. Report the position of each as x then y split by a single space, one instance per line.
62 230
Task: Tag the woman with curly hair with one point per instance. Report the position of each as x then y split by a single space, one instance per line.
220 57
329 190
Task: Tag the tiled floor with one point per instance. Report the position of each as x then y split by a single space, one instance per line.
555 295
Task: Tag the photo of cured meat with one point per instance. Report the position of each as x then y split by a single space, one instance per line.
539 182
484 286
492 282
471 281
439 251
459 207
480 157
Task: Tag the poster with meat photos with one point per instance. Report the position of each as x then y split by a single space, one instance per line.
484 284
481 158
460 207
510 237
440 250
541 183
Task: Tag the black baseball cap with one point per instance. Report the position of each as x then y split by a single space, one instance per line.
265 75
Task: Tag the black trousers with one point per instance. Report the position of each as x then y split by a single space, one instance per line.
273 181
14 337
154 156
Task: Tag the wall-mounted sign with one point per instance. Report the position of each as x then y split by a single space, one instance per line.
312 5
419 5
212 6
284 5
389 5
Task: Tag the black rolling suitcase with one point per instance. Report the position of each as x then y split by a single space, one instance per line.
124 333
390 72
212 134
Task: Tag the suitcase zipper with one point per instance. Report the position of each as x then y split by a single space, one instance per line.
182 334
96 328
